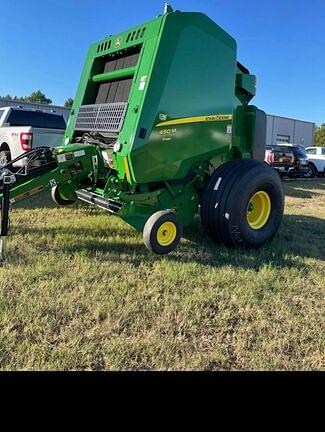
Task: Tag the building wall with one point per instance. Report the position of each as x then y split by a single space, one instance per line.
282 129
54 108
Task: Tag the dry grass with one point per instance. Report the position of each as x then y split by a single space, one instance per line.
80 291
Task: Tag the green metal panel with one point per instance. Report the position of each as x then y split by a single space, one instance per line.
193 76
75 169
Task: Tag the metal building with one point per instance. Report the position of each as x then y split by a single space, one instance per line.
30 105
287 130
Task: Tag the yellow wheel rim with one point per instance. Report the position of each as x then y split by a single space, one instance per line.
166 233
258 210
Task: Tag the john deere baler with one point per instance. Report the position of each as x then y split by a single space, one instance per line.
161 129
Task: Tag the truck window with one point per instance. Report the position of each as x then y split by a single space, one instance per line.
1 113
323 151
299 152
311 151
36 119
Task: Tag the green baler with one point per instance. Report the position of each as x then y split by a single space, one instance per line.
161 129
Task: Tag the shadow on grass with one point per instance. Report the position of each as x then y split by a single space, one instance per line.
304 189
300 237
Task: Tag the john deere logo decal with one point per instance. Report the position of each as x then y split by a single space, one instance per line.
118 42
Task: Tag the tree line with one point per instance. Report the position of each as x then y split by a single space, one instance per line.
319 137
37 97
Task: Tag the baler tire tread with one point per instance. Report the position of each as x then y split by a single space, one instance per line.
206 196
211 213
235 172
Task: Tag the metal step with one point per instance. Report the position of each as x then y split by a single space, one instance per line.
99 201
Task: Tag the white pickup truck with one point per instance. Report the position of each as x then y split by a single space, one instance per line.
316 160
23 129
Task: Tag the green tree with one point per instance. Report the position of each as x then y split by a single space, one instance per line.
38 96
14 98
68 103
6 96
319 137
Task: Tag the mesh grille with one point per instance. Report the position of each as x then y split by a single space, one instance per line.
106 117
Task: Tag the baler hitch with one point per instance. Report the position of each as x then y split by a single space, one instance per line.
9 176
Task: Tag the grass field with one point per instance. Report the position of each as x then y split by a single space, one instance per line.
80 291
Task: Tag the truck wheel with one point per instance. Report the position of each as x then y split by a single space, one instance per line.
58 199
312 171
243 204
162 232
5 157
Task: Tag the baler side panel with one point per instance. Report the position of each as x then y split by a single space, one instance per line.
193 76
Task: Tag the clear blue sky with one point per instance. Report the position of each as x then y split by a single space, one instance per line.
43 45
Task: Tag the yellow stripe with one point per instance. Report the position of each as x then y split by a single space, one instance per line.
197 119
127 169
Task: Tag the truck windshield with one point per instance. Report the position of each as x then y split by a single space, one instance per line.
36 119
299 152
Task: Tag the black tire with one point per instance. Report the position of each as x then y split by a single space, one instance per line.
227 197
5 157
58 199
212 192
312 171
154 228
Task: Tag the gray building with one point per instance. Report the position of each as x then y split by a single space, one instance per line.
287 130
50 108
279 129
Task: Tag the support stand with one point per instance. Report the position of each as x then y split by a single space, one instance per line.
8 180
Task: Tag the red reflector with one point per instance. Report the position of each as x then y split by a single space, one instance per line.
26 140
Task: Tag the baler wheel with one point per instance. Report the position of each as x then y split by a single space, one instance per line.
58 199
243 204
162 232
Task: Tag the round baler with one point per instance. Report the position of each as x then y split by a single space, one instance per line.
162 129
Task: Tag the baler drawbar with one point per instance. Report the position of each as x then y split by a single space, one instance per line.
161 128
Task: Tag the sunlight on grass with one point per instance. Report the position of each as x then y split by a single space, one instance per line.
80 291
